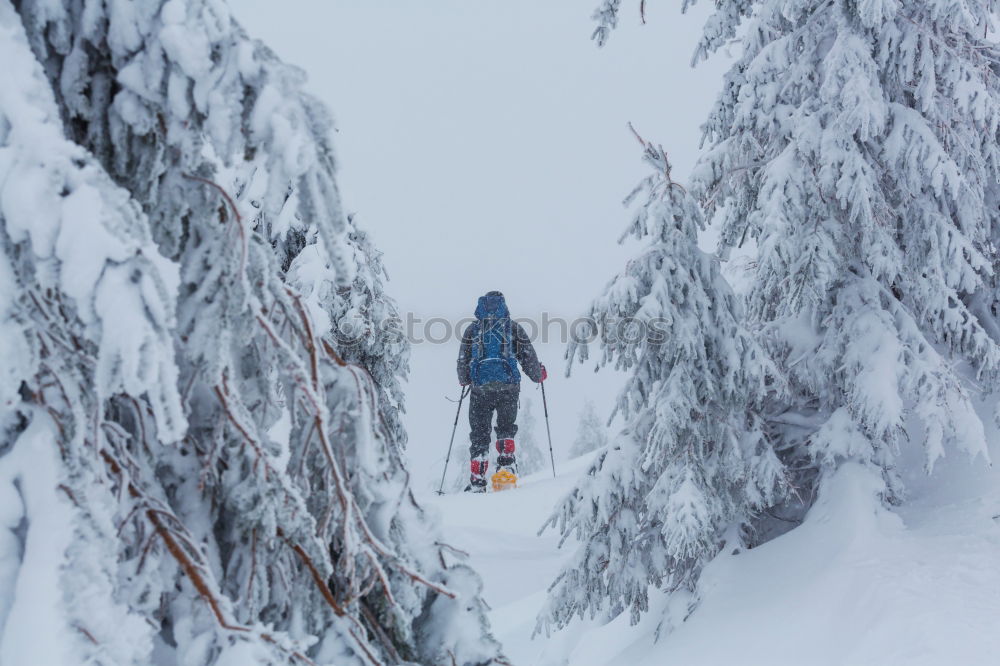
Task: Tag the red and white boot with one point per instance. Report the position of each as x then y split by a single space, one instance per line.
506 474
477 477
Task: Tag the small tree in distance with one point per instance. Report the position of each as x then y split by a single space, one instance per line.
591 433
530 458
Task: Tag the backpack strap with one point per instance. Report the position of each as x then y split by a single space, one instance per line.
509 342
480 341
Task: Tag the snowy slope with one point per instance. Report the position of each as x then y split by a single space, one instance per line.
499 531
852 585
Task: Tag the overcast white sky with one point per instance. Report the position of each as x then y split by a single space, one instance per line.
483 143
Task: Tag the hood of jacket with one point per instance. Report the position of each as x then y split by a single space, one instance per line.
492 305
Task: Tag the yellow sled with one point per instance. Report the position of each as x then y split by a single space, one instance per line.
503 479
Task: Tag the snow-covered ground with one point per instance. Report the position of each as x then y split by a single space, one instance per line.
499 531
853 585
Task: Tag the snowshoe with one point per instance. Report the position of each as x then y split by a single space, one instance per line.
476 486
503 479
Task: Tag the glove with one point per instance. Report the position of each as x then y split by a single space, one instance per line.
545 374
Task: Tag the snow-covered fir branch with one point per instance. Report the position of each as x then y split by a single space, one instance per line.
177 395
857 146
692 464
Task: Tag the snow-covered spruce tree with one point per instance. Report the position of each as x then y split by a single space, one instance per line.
858 144
530 458
365 324
86 310
194 466
591 433
691 466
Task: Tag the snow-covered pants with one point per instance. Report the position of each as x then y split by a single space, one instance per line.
483 401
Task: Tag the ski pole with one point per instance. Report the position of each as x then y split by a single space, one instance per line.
465 392
545 406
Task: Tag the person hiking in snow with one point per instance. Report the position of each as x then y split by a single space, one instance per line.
492 347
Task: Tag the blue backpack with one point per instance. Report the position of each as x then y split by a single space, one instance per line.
493 358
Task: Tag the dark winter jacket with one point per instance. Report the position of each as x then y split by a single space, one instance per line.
524 352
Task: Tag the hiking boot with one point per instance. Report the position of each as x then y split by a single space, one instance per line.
505 455
477 478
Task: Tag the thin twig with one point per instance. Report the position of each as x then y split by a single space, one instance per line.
236 214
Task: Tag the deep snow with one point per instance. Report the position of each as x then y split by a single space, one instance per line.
856 584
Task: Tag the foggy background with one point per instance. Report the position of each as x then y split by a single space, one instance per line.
484 145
